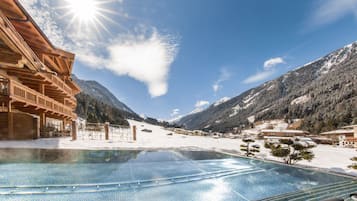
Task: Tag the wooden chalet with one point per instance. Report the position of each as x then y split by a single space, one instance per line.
35 78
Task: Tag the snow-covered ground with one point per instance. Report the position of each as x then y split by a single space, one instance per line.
326 157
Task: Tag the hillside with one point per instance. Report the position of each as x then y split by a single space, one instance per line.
97 104
323 93
100 93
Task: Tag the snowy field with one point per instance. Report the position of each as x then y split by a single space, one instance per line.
326 157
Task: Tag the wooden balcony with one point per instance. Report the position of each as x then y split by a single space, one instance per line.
17 92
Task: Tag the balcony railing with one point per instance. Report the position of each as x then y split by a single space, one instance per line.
60 83
21 93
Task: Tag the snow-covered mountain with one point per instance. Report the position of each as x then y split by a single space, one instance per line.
99 92
322 92
97 104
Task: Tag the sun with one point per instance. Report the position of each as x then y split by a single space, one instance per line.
88 13
84 10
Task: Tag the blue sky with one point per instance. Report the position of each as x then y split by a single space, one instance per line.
166 58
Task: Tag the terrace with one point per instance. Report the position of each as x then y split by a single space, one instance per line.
32 100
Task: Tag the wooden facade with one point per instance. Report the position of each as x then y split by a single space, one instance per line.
35 76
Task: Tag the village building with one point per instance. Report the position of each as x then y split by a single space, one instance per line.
37 94
345 136
282 133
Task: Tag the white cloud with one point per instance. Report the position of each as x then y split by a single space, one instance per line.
199 107
268 70
270 63
258 77
175 112
201 103
143 54
329 11
145 59
216 87
223 76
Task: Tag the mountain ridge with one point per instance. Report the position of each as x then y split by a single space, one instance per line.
299 94
98 91
96 103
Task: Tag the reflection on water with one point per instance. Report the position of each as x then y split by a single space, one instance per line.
193 175
96 156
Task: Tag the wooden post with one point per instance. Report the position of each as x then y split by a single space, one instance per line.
63 124
134 133
10 120
106 130
36 133
74 130
42 122
41 88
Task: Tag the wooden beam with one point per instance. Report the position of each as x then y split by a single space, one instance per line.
10 10
50 63
10 119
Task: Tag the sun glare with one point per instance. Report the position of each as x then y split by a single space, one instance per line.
84 10
89 13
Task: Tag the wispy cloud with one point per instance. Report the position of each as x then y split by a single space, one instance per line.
259 76
223 76
270 63
143 53
199 106
41 11
329 11
175 112
201 103
267 71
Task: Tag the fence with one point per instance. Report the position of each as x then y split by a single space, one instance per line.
100 131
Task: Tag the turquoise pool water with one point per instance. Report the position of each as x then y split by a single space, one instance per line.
35 174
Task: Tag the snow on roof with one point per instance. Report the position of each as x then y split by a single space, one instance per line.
339 131
275 137
255 132
282 131
350 126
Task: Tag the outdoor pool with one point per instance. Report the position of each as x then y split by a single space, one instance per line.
39 174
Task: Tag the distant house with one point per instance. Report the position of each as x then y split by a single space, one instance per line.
345 136
282 133
340 132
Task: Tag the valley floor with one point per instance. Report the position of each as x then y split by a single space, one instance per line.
326 157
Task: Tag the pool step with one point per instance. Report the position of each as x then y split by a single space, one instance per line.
339 189
102 187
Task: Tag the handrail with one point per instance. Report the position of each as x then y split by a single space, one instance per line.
28 95
60 83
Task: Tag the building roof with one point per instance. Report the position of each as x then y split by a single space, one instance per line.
54 58
282 131
339 131
350 126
